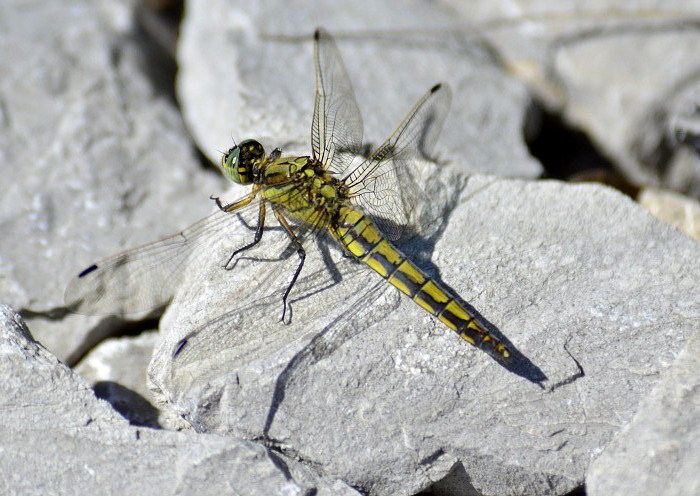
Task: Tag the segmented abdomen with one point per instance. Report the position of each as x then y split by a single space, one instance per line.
363 240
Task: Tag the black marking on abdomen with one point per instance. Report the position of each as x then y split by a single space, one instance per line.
435 305
412 286
353 233
389 267
366 245
458 322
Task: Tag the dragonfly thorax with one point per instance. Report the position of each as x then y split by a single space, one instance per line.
242 162
303 188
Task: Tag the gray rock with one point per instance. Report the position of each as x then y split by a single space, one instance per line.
93 160
116 369
660 449
57 438
623 87
237 80
595 293
623 71
684 169
362 386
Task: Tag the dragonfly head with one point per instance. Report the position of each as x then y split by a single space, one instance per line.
241 161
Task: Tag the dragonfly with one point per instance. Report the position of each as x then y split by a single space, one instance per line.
364 205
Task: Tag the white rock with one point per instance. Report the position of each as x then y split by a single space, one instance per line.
91 159
57 438
660 449
246 71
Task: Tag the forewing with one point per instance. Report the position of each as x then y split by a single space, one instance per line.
387 184
336 129
146 277
249 319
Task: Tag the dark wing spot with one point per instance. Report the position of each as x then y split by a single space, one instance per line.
435 88
92 268
180 346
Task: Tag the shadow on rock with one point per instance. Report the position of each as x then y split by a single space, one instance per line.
131 405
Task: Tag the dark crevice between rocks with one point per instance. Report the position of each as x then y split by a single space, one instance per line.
109 327
568 154
128 403
579 491
204 161
278 452
157 27
456 482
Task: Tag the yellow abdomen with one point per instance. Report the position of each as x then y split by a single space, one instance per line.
362 239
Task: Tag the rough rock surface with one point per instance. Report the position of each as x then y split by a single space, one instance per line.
596 294
247 71
58 438
92 160
660 449
626 72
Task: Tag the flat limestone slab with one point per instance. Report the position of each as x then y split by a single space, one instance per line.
659 450
597 295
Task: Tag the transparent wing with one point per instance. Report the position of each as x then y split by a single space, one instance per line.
336 129
387 184
147 277
251 319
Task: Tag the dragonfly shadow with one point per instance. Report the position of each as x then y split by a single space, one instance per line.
422 247
338 331
307 286
130 404
329 339
419 240
323 242
517 363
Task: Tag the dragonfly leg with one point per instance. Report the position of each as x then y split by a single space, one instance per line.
256 239
300 251
230 207
218 202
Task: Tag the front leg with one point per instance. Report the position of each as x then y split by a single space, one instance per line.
232 207
256 239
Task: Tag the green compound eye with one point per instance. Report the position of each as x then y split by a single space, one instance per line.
240 160
229 162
